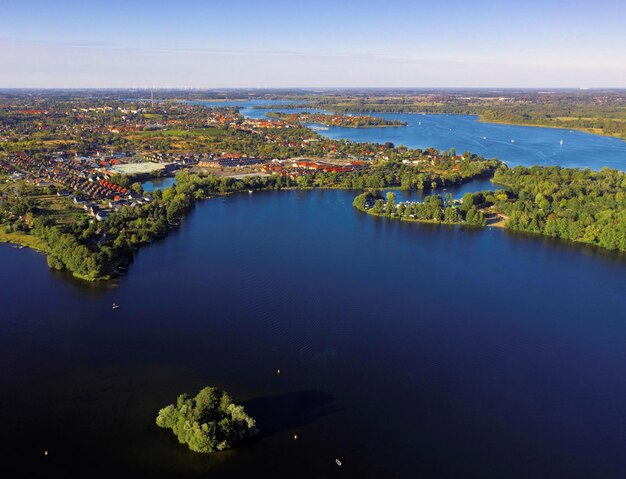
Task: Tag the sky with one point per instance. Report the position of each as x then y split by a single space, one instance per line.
318 43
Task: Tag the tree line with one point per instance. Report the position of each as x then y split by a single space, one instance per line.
579 205
434 208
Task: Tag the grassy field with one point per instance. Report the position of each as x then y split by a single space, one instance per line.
59 209
23 239
198 138
210 132
152 116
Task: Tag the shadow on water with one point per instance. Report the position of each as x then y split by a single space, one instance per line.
275 414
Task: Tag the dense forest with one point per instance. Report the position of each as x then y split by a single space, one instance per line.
577 205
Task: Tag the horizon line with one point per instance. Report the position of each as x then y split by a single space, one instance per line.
202 88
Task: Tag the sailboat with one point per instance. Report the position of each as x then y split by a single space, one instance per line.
561 142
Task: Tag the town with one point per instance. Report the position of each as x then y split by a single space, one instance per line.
93 155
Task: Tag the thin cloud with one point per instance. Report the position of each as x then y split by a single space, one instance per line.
312 54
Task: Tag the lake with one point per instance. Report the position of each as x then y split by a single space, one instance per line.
513 144
405 350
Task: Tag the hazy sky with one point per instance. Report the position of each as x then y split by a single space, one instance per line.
318 43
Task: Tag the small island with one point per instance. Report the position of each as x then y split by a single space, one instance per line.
335 119
208 422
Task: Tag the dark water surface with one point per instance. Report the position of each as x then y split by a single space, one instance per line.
405 350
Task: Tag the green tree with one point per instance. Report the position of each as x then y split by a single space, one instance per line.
208 422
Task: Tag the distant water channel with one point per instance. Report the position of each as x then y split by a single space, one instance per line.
516 145
405 350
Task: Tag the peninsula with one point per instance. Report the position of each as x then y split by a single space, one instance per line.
572 204
341 120
600 112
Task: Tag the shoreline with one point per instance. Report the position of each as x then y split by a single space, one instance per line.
482 119
24 240
532 125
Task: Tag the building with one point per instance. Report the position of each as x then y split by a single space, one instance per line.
229 162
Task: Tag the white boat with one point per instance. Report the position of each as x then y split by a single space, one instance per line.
338 462
115 306
512 141
561 143
250 191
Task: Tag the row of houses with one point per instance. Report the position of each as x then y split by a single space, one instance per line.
72 174
229 162
297 168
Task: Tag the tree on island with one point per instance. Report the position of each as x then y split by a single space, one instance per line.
209 422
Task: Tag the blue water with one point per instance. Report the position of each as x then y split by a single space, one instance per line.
158 183
405 350
516 145
530 145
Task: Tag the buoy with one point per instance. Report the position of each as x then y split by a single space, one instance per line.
278 371
45 453
295 437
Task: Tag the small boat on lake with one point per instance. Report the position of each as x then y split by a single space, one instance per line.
115 306
338 462
250 191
